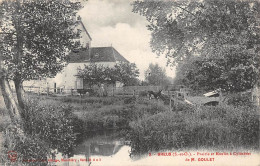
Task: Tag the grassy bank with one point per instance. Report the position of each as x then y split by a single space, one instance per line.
222 127
118 116
103 113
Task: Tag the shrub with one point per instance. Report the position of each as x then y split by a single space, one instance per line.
239 99
55 126
30 150
130 100
155 107
119 116
143 93
4 122
183 107
89 100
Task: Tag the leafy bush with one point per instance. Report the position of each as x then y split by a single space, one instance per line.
89 100
55 126
183 107
239 100
4 121
155 107
30 150
143 93
119 116
130 100
206 127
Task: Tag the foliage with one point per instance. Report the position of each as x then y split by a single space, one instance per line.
239 100
155 75
56 126
118 116
125 73
181 28
232 74
4 119
37 35
35 38
94 74
225 34
222 127
98 74
30 150
143 94
90 100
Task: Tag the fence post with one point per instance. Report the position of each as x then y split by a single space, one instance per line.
113 91
170 101
38 91
134 93
48 91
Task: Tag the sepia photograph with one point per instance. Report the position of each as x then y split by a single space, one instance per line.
129 82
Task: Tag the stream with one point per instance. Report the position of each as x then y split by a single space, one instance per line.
97 148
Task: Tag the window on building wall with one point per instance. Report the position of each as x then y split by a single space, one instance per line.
78 31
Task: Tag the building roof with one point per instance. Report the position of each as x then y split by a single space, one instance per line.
96 54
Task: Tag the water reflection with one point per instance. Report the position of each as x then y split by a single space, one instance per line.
109 149
97 148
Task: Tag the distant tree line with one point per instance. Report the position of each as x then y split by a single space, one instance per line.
156 75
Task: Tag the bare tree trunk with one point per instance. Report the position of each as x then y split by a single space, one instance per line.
11 104
18 57
19 92
16 128
13 108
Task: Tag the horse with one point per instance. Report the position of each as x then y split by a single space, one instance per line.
156 95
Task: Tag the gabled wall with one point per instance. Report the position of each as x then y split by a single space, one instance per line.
84 37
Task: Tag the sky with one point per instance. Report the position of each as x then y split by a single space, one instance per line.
112 22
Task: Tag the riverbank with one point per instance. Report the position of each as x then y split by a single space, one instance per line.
151 126
148 125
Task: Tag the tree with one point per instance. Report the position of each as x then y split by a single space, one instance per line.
232 74
35 37
95 74
216 30
155 75
126 73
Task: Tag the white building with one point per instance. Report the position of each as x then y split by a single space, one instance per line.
106 56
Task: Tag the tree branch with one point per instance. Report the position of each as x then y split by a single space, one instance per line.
184 9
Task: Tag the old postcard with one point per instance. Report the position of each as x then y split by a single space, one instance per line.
129 82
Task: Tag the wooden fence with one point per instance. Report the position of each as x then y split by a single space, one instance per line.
111 91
